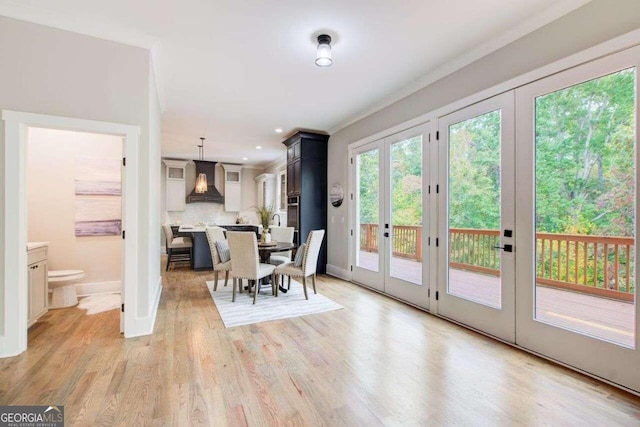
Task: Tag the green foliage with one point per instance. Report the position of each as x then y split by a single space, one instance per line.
368 189
474 172
585 173
406 182
265 213
585 155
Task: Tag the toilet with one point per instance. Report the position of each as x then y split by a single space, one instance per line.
63 293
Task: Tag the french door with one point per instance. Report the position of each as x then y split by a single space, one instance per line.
577 222
476 272
391 215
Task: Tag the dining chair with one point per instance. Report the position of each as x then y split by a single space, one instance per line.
281 234
245 262
309 264
215 234
178 248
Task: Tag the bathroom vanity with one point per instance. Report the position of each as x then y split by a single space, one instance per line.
37 274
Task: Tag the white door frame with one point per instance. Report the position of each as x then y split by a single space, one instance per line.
13 288
417 295
406 291
498 322
572 348
372 279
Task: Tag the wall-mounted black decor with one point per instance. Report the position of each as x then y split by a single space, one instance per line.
336 196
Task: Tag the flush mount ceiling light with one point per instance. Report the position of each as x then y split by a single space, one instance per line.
278 130
201 181
258 147
323 56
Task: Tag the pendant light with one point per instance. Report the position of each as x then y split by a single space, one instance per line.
201 180
323 56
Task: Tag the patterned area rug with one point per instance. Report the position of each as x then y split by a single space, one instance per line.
268 307
95 304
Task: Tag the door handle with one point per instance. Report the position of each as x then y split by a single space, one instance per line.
506 248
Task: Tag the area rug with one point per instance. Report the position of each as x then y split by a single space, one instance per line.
268 307
95 304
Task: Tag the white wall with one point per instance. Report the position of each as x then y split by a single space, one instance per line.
50 71
153 219
594 23
51 173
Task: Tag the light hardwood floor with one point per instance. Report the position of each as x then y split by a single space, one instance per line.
376 362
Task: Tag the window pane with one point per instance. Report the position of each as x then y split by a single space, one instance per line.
406 210
585 207
368 181
474 209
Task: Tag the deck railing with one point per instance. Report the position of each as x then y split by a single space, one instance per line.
407 240
597 265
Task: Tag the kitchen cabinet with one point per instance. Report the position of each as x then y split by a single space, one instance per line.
232 187
266 189
176 185
307 187
38 286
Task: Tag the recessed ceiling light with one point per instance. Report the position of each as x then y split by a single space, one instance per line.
244 158
258 147
278 130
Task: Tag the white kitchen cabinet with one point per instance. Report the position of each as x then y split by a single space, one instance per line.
232 187
266 189
38 286
176 185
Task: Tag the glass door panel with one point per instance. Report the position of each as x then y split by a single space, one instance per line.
577 220
368 196
477 286
406 210
474 209
390 228
585 211
406 222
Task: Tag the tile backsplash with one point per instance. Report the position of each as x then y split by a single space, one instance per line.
211 213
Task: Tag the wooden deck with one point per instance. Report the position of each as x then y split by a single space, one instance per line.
591 315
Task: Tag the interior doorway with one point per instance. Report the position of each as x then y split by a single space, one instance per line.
74 224
14 256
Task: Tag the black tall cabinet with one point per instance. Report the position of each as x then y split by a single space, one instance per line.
307 187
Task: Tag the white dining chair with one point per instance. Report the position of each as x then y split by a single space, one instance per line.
245 262
215 234
281 234
309 263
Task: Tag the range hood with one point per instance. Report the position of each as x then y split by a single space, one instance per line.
212 195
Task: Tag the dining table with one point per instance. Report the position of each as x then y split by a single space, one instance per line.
266 249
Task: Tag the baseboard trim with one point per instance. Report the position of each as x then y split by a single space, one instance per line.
97 288
338 272
144 325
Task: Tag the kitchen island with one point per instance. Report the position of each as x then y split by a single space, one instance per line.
201 253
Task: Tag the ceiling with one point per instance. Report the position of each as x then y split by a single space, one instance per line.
234 71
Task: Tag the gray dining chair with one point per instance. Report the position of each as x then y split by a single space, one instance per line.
215 234
245 262
178 248
309 263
